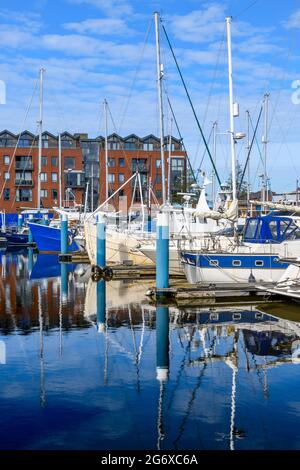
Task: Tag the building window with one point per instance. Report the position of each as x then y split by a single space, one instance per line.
44 177
54 177
177 163
6 175
158 163
114 145
121 177
24 143
122 162
44 161
54 161
111 178
6 194
157 179
111 162
6 159
130 146
69 163
44 193
24 195
148 146
54 194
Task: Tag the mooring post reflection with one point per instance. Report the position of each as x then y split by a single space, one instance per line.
30 260
162 364
64 281
101 305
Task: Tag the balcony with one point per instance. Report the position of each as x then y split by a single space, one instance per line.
142 168
24 166
22 182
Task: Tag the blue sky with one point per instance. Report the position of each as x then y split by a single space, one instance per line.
96 49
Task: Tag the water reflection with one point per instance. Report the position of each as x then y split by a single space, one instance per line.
112 371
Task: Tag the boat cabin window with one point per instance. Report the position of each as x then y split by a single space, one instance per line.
252 228
236 262
214 262
259 263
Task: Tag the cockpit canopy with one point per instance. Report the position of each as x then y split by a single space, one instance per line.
270 229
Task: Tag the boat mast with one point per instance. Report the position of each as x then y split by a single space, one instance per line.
170 162
215 129
231 109
265 196
59 171
247 156
160 75
40 123
106 151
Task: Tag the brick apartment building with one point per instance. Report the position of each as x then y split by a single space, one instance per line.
83 161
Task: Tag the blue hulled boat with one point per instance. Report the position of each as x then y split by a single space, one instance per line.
47 238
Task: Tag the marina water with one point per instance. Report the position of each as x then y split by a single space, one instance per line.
88 365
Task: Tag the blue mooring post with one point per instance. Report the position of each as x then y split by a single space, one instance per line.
30 237
20 221
101 241
64 235
162 343
162 251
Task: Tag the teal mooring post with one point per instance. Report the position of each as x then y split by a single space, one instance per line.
46 219
101 241
30 237
64 235
162 251
20 221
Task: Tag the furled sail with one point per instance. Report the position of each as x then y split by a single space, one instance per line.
279 206
204 212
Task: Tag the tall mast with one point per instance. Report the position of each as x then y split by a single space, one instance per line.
265 142
215 129
231 109
170 162
59 171
106 151
40 123
160 75
247 155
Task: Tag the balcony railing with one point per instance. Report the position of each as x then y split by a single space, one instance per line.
24 166
20 182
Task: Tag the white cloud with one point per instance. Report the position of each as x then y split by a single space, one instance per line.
29 21
200 25
112 8
103 26
293 21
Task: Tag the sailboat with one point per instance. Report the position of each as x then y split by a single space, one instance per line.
265 240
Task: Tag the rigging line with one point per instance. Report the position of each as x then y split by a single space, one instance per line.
250 149
19 136
212 85
257 144
245 9
181 138
137 70
204 153
192 106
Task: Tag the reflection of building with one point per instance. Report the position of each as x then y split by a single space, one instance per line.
83 161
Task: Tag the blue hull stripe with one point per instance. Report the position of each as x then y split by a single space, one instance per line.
238 261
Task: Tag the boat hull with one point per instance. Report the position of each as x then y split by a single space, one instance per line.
214 268
120 247
47 238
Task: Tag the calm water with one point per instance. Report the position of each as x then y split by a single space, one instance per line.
94 366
